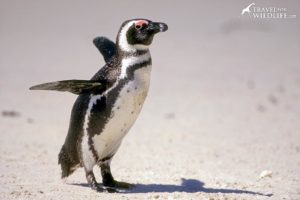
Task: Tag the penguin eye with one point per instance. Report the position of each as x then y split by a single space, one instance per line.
138 27
141 24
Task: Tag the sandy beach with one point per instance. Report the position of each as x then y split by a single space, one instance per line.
221 120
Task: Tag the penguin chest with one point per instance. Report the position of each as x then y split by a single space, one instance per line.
125 111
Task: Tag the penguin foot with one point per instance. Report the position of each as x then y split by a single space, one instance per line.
110 190
109 181
121 185
99 188
124 185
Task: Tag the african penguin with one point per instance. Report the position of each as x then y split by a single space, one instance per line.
109 103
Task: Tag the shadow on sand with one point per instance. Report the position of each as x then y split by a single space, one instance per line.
187 185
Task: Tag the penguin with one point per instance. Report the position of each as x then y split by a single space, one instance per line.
109 103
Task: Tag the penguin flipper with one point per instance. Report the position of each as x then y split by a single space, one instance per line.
106 47
73 86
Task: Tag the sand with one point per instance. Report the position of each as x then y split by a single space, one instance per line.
221 120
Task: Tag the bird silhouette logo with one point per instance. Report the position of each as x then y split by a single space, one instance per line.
247 9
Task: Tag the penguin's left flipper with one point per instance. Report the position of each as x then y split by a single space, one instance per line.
73 86
106 47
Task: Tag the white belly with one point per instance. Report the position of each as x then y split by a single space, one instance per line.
124 113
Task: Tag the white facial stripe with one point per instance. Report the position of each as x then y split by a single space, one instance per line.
140 47
123 43
133 60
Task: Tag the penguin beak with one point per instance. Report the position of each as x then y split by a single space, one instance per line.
156 27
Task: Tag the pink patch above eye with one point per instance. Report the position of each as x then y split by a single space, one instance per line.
141 23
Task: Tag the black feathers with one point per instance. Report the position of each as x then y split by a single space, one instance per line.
106 47
73 86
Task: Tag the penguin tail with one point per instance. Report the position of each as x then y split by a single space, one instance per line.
67 163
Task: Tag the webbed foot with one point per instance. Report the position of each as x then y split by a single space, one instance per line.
123 185
118 185
99 188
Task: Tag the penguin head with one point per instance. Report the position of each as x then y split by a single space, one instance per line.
137 34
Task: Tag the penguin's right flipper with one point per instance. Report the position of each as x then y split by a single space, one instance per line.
73 86
106 47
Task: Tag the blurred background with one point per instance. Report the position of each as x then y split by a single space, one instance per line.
223 104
